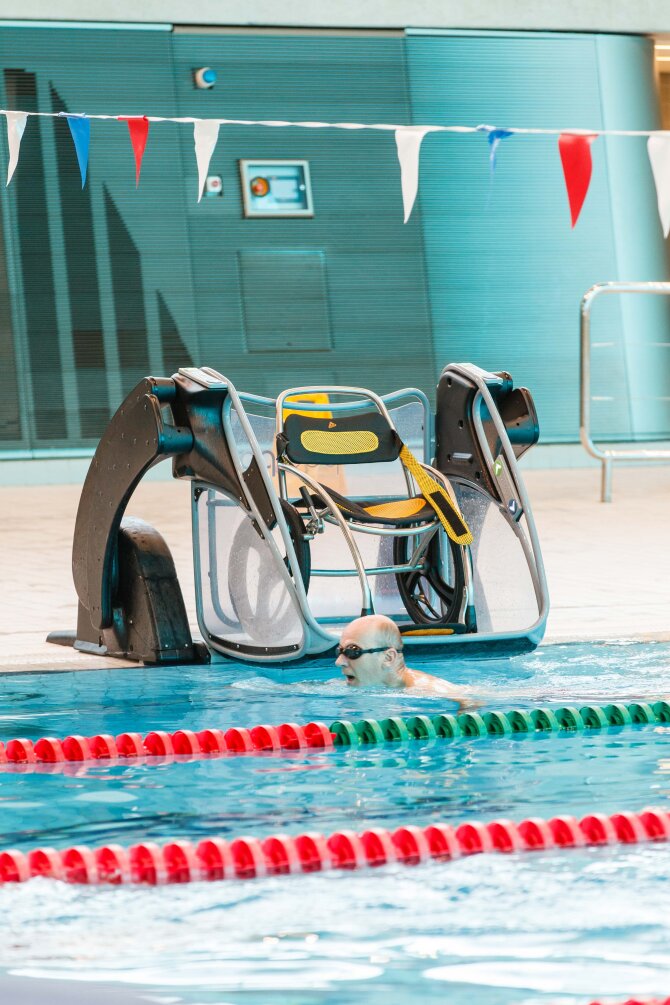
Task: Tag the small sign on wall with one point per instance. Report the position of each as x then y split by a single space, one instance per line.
276 188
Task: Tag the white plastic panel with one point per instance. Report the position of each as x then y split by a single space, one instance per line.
245 597
504 595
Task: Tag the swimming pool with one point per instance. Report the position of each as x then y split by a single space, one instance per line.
559 926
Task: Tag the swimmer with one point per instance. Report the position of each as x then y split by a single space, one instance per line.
371 652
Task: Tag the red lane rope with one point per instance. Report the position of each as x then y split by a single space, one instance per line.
640 1001
250 857
164 745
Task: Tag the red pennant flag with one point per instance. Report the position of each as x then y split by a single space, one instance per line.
138 127
575 154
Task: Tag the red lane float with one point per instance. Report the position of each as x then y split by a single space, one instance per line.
103 747
113 864
46 862
281 854
76 748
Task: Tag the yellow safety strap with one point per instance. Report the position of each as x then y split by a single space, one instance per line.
447 512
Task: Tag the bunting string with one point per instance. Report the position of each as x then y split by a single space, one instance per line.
351 125
574 148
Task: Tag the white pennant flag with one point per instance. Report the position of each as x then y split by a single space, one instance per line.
16 123
658 148
206 133
408 140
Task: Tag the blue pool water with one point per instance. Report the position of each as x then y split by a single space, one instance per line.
549 928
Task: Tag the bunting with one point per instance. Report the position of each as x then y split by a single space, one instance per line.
138 127
16 124
408 141
205 135
658 149
574 149
494 137
80 130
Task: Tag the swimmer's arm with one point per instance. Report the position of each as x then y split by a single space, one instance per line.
466 699
468 702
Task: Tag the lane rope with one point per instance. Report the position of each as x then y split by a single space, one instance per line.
246 857
159 745
640 1001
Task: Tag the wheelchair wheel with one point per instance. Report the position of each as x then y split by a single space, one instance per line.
432 595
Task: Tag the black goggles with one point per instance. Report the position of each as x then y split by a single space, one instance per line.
353 652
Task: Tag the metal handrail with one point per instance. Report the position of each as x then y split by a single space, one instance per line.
606 457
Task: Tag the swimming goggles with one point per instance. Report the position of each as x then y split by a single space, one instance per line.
353 652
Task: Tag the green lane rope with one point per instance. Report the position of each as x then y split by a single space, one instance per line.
470 724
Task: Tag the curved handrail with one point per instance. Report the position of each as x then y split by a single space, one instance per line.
606 457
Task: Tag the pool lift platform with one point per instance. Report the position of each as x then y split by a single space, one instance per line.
309 510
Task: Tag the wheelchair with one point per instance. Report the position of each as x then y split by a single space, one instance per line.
431 563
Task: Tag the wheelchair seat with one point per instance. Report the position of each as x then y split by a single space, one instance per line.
391 513
366 438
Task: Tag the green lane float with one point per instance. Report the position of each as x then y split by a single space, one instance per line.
421 727
497 723
520 721
395 729
446 726
544 720
641 713
617 715
662 711
593 717
344 733
370 731
569 719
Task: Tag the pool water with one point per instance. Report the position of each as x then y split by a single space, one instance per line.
551 927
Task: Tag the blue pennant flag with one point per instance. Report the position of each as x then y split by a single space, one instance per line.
494 136
80 128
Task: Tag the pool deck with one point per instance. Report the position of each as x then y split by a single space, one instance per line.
607 565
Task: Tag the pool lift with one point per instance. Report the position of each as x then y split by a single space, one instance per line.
309 510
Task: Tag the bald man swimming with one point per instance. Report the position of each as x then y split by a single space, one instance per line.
371 652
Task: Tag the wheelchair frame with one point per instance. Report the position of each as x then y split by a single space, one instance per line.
350 527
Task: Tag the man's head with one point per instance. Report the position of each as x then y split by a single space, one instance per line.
385 665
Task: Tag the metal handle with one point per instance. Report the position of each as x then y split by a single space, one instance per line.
606 457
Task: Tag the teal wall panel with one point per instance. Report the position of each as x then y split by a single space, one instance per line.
377 297
84 330
285 295
506 272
